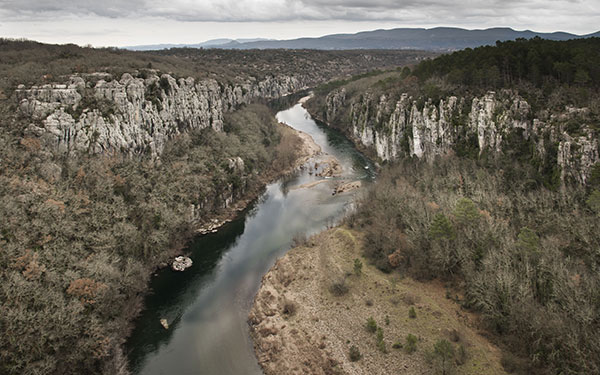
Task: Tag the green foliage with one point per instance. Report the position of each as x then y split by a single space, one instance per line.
354 354
412 313
467 144
441 227
535 60
380 342
405 72
528 241
466 212
90 102
593 201
332 85
444 349
397 345
357 267
371 325
550 75
387 320
410 346
443 352
153 95
461 355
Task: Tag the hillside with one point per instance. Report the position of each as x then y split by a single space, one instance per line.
491 184
29 62
534 100
301 326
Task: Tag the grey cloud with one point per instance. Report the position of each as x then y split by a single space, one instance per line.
35 8
282 10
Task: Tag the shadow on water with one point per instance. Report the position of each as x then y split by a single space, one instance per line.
172 292
207 305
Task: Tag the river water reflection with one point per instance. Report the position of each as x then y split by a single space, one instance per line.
207 305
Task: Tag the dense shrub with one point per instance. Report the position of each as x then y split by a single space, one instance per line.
536 61
371 325
380 342
527 258
354 353
410 346
339 287
77 246
357 267
443 356
412 314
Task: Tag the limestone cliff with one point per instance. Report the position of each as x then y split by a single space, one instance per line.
95 113
407 127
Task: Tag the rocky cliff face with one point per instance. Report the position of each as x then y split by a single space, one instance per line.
404 127
96 114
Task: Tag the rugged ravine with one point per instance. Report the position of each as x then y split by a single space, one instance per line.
207 306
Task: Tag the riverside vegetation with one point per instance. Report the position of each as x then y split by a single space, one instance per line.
80 235
81 231
504 225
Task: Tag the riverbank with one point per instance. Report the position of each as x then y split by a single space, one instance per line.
312 307
207 306
307 150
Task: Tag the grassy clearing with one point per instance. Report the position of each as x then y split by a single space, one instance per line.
340 321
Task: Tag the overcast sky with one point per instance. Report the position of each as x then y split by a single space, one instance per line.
134 22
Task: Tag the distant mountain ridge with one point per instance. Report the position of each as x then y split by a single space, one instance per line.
435 39
213 43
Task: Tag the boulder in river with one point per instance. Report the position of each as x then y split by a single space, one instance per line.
181 263
164 323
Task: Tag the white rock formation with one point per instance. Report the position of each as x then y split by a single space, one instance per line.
404 127
136 115
181 263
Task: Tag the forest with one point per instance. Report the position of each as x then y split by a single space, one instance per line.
535 61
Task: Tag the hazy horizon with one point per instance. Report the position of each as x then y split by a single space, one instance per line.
143 22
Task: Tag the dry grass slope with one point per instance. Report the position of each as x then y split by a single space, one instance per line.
316 334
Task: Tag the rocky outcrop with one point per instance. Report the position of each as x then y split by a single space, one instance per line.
335 102
181 263
406 127
135 115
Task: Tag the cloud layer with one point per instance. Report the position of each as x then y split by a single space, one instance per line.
282 10
130 22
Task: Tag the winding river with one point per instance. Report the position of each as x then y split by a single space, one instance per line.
207 305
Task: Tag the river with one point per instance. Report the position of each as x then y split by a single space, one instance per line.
207 305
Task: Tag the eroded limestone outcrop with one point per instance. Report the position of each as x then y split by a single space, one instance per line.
405 127
96 114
